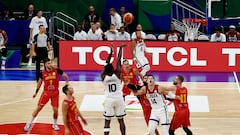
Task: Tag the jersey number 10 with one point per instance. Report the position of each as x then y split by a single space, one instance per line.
112 87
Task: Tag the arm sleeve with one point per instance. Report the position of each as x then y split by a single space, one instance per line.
35 39
41 75
59 71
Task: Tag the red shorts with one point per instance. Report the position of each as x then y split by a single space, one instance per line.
146 113
76 128
180 118
126 91
46 95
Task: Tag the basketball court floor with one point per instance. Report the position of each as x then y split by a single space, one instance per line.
213 98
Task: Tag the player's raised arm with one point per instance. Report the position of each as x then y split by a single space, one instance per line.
110 55
118 63
133 47
64 75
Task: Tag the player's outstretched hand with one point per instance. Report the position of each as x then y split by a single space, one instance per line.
84 121
34 95
122 45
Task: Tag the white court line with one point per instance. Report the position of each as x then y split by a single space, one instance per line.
14 102
236 80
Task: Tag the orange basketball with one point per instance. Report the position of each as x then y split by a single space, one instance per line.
128 18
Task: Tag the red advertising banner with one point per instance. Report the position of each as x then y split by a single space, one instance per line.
162 56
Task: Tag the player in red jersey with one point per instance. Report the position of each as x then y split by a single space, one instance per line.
181 116
129 75
50 77
71 114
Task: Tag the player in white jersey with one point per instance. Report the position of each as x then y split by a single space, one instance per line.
138 52
114 103
3 50
156 96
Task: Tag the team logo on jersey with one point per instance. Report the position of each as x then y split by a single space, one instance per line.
53 73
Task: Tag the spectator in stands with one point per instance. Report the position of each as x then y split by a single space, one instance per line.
93 34
111 34
3 50
40 47
173 35
98 28
218 36
30 12
122 34
121 13
91 18
232 35
139 28
80 34
115 18
6 14
34 28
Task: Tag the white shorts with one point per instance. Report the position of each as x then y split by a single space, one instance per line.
160 116
141 62
114 107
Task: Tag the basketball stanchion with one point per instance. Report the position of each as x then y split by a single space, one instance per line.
192 25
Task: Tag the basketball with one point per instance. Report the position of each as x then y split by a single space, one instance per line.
128 18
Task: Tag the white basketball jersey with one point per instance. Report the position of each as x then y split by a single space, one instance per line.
140 48
112 86
156 99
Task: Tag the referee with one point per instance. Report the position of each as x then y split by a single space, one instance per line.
40 47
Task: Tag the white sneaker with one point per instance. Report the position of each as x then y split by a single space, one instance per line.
55 127
27 127
30 62
2 67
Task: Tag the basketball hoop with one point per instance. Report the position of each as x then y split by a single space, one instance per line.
192 25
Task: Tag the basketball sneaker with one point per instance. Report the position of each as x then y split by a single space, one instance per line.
27 127
2 67
55 127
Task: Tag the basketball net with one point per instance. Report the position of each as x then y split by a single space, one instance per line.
192 25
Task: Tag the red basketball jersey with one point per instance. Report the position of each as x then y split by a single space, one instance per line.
72 118
51 79
183 102
128 77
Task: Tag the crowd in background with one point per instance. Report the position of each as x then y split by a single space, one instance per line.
91 29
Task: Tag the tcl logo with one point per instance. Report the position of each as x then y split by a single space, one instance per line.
156 52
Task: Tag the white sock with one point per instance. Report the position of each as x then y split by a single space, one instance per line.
55 121
4 61
30 60
31 120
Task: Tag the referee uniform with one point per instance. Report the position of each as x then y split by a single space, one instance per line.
41 42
